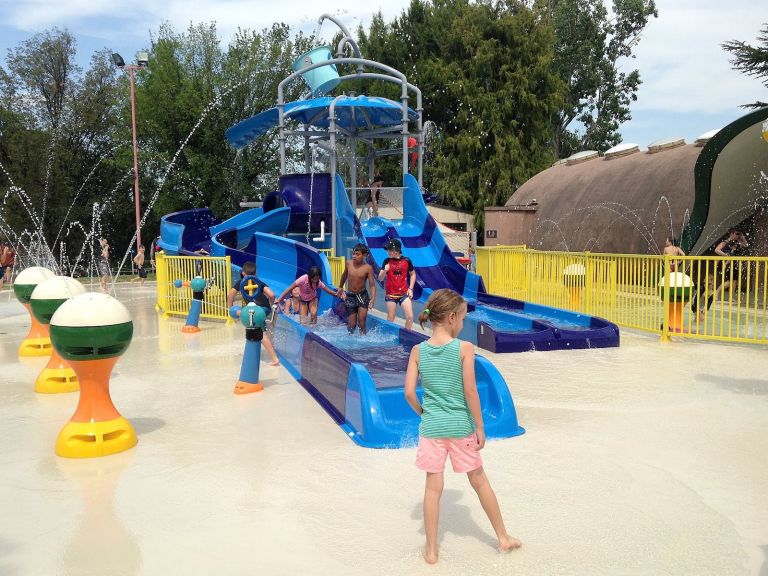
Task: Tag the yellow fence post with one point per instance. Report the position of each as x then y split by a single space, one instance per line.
665 294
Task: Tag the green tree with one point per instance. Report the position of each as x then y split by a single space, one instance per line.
189 95
56 126
485 71
751 60
592 44
44 66
255 64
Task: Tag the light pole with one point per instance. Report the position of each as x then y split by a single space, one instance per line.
142 59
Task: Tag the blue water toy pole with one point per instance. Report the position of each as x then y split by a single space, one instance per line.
253 317
198 291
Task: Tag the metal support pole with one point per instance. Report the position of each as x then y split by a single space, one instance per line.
135 160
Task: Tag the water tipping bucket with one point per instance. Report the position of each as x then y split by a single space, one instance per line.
323 79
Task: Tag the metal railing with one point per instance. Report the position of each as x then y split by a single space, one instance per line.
176 301
705 297
337 264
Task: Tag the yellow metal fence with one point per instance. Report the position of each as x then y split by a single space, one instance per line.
727 298
176 301
336 263
216 271
337 268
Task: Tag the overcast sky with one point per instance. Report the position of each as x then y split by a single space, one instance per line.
688 85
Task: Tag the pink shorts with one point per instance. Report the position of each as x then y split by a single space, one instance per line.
431 454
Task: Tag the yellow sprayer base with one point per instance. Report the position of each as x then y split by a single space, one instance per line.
95 439
247 388
575 297
35 347
57 381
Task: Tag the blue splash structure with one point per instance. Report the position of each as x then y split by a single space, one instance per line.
359 380
495 323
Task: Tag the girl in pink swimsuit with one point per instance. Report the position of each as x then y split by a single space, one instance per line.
308 285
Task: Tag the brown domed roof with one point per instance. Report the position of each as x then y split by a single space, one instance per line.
626 204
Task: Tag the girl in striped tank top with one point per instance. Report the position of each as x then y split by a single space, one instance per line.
451 417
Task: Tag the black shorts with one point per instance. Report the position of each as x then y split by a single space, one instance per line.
355 300
396 298
142 272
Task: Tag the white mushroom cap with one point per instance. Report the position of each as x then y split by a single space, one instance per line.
33 275
57 288
91 309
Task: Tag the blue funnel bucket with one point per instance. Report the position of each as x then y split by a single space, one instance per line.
323 79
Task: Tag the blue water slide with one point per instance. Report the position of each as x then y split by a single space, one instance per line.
358 381
237 232
241 227
347 224
186 231
495 323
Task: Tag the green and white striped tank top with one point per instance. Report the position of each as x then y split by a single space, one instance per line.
445 412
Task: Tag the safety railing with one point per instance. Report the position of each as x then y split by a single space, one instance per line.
704 297
729 298
176 301
337 264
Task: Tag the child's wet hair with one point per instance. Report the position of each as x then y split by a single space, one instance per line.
440 305
249 268
362 248
313 272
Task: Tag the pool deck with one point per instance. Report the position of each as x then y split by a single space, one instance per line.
649 458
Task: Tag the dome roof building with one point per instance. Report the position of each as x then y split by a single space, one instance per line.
630 200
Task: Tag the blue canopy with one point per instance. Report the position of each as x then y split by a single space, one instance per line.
351 112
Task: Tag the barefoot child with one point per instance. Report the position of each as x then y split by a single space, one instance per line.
292 304
308 285
104 271
451 416
264 300
139 261
356 298
399 279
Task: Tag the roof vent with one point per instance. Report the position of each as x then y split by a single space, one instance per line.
621 150
580 157
561 161
704 138
665 144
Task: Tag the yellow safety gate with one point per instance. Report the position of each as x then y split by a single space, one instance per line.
727 299
176 301
336 263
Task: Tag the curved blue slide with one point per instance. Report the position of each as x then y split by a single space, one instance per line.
188 231
495 323
358 381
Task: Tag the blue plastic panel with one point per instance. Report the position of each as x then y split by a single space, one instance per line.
500 324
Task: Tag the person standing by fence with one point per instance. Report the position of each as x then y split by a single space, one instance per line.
730 247
671 248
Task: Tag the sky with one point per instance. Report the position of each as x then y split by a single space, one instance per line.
689 87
